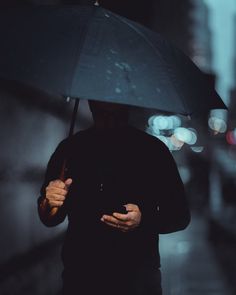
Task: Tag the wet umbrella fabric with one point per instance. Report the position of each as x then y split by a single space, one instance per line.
92 53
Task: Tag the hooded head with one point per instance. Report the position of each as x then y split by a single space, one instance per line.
109 115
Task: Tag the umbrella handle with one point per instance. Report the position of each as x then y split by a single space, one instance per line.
62 176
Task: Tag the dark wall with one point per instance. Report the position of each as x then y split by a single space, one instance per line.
30 130
28 137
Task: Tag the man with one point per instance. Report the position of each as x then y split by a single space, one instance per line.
122 189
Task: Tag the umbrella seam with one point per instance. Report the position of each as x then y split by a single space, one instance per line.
121 19
79 49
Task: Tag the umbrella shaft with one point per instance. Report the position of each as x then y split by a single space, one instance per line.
73 119
72 125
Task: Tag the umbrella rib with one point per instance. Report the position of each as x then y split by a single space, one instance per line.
140 33
153 47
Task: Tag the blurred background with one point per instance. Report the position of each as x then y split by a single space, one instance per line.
198 261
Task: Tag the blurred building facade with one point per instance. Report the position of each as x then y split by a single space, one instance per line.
201 46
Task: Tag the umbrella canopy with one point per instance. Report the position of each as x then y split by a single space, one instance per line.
92 53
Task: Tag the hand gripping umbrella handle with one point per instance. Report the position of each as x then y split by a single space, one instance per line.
64 167
62 177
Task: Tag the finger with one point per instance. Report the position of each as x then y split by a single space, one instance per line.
55 197
57 183
60 184
56 190
113 220
68 183
122 217
118 226
55 203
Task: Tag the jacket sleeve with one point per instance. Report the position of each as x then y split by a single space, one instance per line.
53 172
165 208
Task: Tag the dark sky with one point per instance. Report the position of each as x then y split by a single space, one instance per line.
140 10
168 17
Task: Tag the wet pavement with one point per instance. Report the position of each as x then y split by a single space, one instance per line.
190 266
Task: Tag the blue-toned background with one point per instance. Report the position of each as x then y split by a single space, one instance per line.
200 260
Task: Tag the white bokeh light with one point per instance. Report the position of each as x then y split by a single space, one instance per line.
217 124
185 135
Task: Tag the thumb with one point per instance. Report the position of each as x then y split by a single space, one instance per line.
68 182
130 207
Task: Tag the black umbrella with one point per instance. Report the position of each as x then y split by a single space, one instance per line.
92 53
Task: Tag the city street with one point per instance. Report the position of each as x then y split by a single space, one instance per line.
189 265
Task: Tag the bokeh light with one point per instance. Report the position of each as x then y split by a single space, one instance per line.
231 137
161 122
197 149
177 144
217 124
168 129
185 135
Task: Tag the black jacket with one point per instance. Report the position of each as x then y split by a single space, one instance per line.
133 167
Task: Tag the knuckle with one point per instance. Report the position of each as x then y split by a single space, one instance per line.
61 193
59 198
48 196
48 191
64 192
58 183
53 182
49 186
61 184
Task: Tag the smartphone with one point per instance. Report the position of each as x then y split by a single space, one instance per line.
119 209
